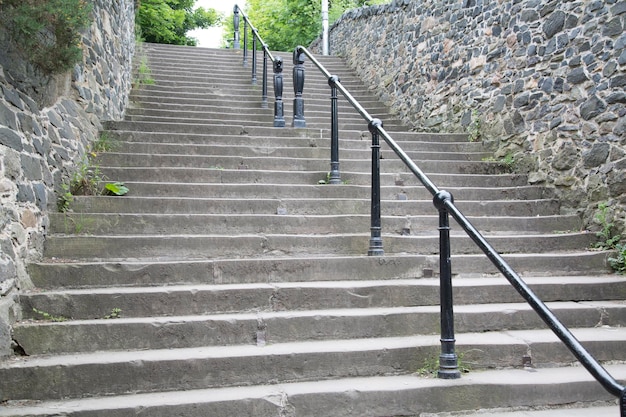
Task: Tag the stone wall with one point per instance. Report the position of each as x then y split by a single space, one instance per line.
541 80
46 126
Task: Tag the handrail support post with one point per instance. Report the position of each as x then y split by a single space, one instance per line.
448 360
264 88
236 44
298 87
245 43
376 240
622 404
254 36
279 118
335 175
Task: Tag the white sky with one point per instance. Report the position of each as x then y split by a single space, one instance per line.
212 37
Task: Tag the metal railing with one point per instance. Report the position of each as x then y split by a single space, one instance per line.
277 64
444 202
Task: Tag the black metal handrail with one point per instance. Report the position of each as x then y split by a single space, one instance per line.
277 64
444 202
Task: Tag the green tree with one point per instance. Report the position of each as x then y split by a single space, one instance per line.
47 33
168 21
284 24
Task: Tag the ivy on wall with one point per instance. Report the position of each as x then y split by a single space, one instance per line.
47 32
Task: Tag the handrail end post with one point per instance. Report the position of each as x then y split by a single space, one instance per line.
298 87
236 43
279 118
448 360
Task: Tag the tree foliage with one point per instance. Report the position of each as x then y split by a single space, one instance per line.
47 33
285 24
169 21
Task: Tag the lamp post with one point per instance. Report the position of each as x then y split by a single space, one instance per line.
324 27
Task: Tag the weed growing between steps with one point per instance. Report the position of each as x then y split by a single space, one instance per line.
609 240
115 313
430 367
507 162
143 73
87 177
49 317
473 130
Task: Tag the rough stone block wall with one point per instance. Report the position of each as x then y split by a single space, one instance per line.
46 126
541 80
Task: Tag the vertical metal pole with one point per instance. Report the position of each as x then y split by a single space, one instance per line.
236 44
324 27
264 91
335 175
298 87
448 360
622 404
376 240
279 118
245 43
254 35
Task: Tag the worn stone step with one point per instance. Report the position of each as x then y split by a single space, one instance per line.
302 206
272 163
274 135
332 191
359 397
258 328
228 246
88 374
319 121
578 409
84 304
53 274
236 129
82 221
240 176
349 140
251 149
314 117
155 98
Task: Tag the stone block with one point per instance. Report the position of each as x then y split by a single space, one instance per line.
597 155
9 138
554 24
7 117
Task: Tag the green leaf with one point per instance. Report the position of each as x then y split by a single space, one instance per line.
116 188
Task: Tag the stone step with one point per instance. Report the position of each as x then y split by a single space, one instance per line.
233 93
597 409
359 397
330 191
56 273
172 247
135 224
89 374
253 130
218 174
352 140
285 297
319 120
273 163
316 152
303 206
315 116
267 327
155 98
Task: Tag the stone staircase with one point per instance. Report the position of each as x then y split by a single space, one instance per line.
231 281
